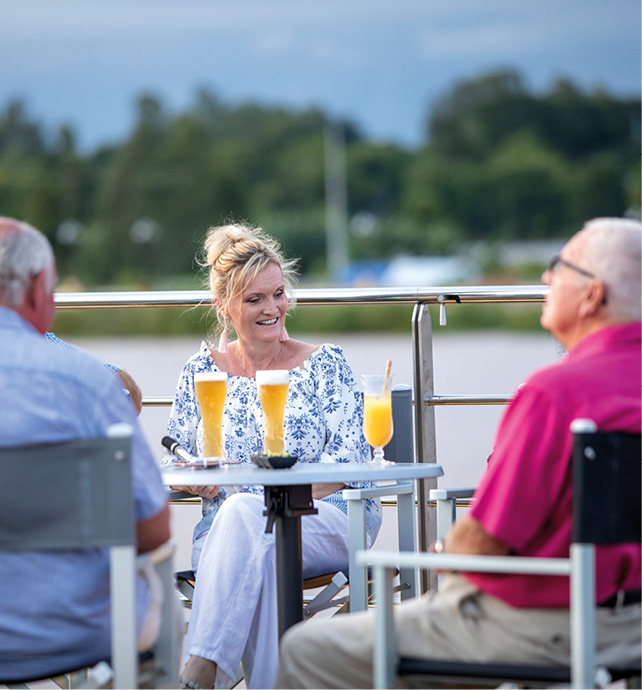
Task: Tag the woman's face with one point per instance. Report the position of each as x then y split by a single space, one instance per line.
258 313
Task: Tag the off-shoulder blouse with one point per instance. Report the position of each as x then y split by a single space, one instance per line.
323 422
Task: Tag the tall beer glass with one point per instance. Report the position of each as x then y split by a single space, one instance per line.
377 412
273 385
211 390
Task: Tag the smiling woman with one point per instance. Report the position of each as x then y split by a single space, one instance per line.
249 279
322 422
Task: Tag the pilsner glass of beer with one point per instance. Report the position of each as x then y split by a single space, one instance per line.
273 385
211 390
377 412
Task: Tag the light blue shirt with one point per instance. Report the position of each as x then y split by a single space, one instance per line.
323 422
55 339
57 614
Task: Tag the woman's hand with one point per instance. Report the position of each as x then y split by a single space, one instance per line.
322 490
202 491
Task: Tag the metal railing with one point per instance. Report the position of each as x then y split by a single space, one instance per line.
308 296
423 380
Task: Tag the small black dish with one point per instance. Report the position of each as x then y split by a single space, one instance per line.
273 462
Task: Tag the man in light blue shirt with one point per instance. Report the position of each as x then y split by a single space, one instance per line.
58 616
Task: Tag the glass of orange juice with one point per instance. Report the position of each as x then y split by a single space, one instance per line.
273 387
377 412
211 389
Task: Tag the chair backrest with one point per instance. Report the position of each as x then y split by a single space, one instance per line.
606 472
79 495
402 446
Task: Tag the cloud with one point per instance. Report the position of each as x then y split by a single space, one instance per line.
273 42
487 41
380 61
509 34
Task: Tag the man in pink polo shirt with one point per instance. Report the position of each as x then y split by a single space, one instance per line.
522 505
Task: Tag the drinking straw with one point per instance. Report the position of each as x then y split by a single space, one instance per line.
387 376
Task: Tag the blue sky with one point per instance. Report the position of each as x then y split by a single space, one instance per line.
380 62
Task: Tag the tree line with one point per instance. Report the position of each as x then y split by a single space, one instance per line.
498 162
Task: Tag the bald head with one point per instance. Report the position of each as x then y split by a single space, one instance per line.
24 253
611 248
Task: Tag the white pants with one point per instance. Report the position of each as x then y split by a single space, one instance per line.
234 612
459 622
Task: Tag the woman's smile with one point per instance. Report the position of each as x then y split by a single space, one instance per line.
260 310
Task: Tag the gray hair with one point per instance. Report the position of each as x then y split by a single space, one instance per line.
613 251
24 253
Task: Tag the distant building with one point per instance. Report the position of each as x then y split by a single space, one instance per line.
411 271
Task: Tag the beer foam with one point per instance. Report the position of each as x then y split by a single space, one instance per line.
272 377
210 376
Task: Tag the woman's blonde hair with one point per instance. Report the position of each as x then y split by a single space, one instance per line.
234 254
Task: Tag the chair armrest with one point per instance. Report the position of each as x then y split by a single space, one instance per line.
448 494
390 490
446 500
479 564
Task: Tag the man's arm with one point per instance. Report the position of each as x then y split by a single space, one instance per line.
468 537
153 531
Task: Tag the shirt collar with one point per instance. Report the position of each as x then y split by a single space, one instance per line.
605 338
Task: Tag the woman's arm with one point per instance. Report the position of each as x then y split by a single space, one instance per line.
320 491
342 410
202 491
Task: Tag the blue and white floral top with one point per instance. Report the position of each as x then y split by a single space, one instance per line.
323 422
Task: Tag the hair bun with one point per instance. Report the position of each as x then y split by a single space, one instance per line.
220 239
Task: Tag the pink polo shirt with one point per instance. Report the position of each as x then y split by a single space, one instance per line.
524 496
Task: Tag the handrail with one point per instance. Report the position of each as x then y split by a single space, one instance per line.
161 401
157 401
467 399
309 296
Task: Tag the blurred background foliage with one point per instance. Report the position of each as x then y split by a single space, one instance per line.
499 162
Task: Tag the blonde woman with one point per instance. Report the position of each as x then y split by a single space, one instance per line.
234 616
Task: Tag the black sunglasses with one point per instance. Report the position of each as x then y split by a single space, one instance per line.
557 261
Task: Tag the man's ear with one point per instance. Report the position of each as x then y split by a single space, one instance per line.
594 298
37 302
34 291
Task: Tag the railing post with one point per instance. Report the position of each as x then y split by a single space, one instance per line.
425 442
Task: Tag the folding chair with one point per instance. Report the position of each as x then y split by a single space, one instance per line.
400 449
83 499
606 469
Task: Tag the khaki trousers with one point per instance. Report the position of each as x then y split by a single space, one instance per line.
458 622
